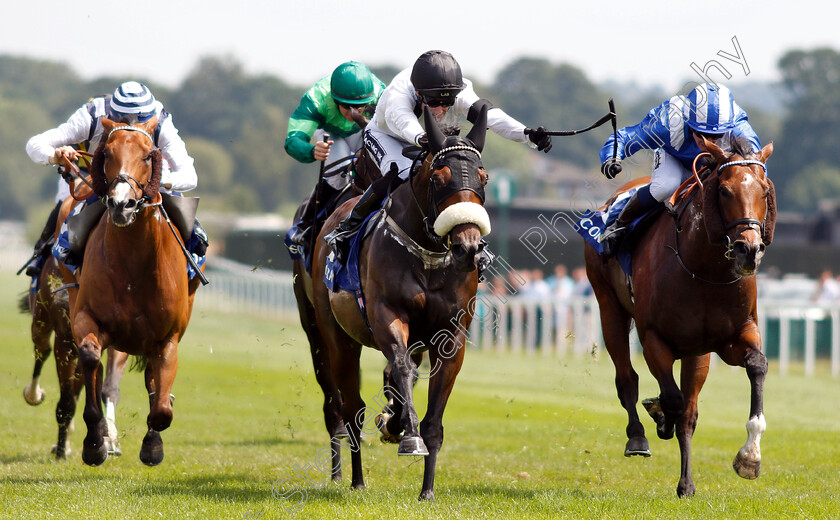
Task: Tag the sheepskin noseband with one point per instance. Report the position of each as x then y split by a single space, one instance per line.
462 213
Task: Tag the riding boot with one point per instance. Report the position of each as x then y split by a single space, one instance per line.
200 248
44 244
303 232
635 208
339 239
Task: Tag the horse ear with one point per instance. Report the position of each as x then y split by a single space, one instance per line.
479 129
108 125
97 170
770 217
715 150
436 137
715 228
766 152
149 125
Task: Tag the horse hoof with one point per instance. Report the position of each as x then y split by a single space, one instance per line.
341 432
412 445
34 397
386 437
113 446
637 446
426 495
61 453
745 468
151 453
95 455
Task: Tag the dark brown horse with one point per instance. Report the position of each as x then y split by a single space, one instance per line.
363 169
693 292
418 286
134 292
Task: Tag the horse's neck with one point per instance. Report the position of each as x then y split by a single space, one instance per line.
409 209
694 246
142 239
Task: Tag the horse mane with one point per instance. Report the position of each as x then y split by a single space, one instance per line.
100 183
715 227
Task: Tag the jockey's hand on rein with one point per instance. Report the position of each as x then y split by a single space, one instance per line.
539 137
611 168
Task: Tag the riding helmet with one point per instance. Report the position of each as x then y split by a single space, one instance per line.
436 74
352 83
710 109
132 99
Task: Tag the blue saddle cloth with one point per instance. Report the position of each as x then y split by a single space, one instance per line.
592 224
338 277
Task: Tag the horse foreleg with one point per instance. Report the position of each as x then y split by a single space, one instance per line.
747 462
111 396
440 387
94 451
160 375
693 372
393 339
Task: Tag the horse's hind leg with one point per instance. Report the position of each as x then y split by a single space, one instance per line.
40 331
160 375
670 405
693 372
111 397
615 323
70 384
344 362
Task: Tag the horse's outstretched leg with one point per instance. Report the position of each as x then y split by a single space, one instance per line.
344 362
114 371
747 462
693 373
389 421
160 375
40 331
615 325
70 385
391 333
440 387
94 451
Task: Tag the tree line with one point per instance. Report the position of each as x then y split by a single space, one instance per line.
235 123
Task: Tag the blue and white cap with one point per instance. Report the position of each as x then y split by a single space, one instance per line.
710 109
133 98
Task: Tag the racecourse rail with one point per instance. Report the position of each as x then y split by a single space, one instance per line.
795 330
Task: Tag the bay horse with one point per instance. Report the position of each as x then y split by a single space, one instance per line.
134 293
418 286
693 292
364 170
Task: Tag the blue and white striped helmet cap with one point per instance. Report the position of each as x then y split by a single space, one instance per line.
135 99
710 109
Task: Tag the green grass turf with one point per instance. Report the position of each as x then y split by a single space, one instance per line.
526 437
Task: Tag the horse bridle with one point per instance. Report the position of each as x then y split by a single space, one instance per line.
143 201
751 223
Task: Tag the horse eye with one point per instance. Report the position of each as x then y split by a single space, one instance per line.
725 192
438 181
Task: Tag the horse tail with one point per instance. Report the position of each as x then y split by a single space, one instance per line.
138 364
715 228
23 304
770 219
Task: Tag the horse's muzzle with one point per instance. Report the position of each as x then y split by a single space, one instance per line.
466 246
123 212
748 256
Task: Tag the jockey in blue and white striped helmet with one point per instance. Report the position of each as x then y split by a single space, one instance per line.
132 99
674 130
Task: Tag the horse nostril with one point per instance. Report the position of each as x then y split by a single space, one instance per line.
130 204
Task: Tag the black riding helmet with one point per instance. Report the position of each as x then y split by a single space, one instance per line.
436 75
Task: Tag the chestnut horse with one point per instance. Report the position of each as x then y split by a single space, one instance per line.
693 292
418 286
364 168
134 292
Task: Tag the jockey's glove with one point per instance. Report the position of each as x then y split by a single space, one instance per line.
611 168
539 137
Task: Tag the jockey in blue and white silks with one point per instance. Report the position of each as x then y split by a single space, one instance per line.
675 130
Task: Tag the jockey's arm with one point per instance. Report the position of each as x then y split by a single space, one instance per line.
181 175
42 148
497 120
